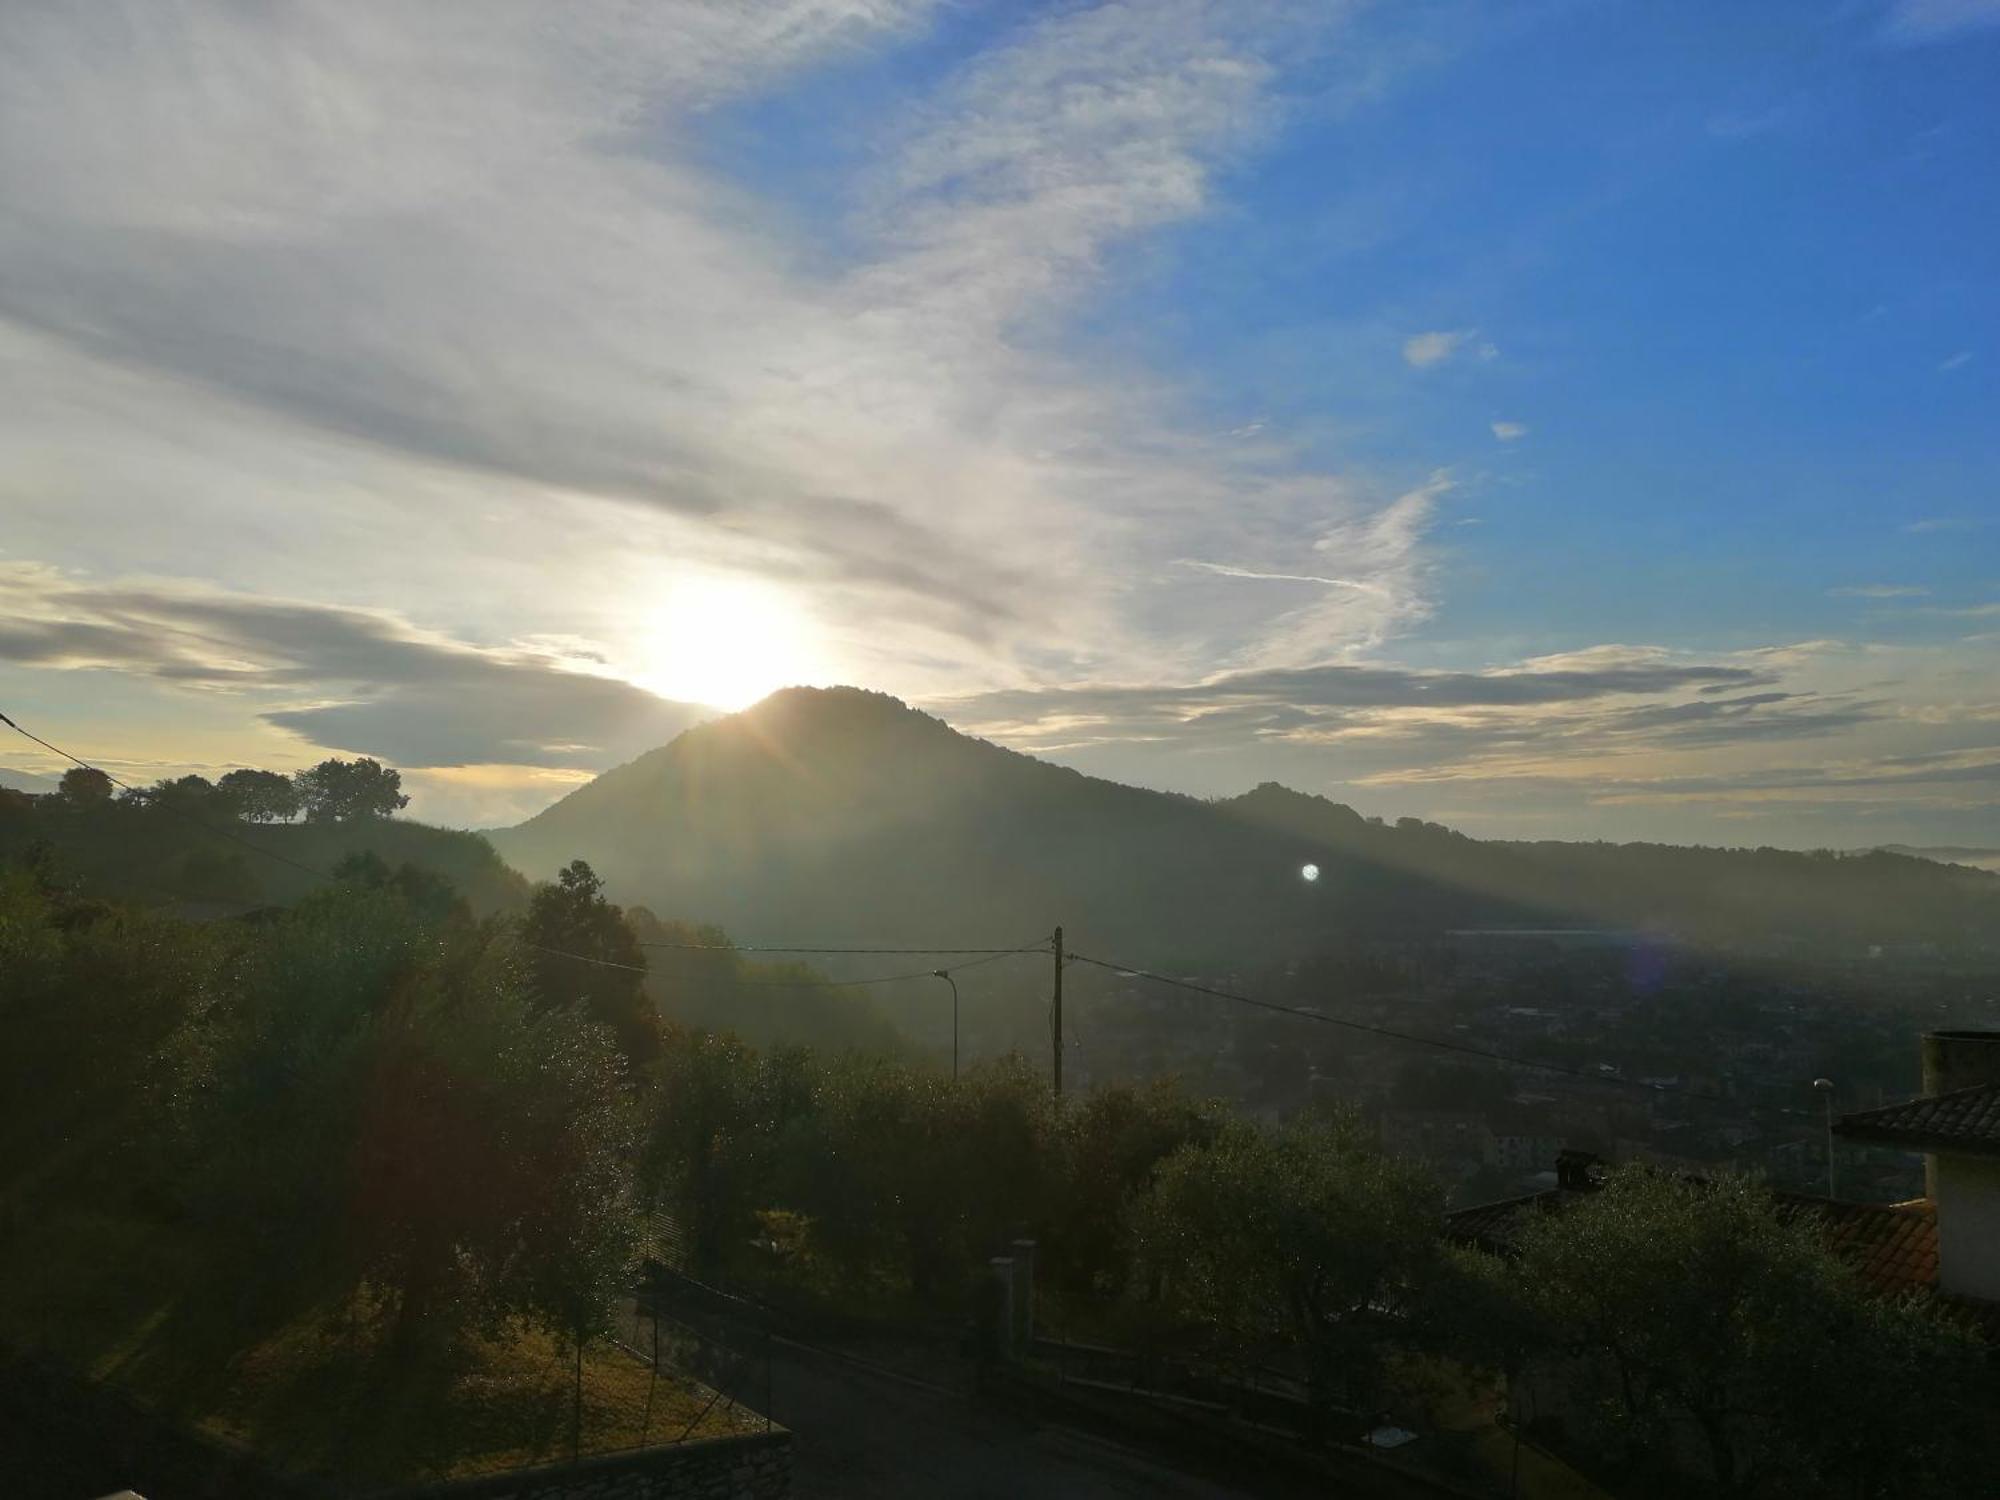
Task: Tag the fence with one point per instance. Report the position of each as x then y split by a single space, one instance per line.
718 1338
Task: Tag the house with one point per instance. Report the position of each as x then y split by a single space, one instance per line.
1522 1139
1946 1242
1955 1123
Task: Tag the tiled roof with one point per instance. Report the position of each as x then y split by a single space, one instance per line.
1892 1246
1492 1226
1963 1120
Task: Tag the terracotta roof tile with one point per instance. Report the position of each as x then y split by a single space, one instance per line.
1492 1226
1962 1120
1892 1246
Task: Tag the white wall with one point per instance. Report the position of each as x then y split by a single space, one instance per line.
1967 1192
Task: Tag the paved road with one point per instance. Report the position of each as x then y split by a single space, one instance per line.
857 1432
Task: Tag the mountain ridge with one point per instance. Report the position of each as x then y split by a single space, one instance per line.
839 814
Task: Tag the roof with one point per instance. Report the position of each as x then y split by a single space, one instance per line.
1964 1120
1892 1246
1492 1226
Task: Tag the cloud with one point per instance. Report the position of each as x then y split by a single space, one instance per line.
1914 22
373 683
1879 591
1226 570
489 245
1953 362
1423 350
1509 432
1734 125
1944 523
1294 696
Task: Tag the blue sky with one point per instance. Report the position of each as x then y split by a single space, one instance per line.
1560 418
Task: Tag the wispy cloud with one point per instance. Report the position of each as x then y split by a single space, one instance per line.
359 680
1879 591
1423 350
1913 22
1226 570
1944 523
1955 361
475 239
1510 432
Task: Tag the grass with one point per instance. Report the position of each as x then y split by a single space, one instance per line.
130 1305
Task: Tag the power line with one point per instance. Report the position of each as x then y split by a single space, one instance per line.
775 948
992 956
979 956
1444 1044
181 813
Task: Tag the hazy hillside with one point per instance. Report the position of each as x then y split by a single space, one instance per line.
23 781
1949 854
839 815
152 856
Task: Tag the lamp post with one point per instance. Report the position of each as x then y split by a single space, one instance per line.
1824 1088
945 975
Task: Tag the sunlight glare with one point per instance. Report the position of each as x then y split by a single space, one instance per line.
726 643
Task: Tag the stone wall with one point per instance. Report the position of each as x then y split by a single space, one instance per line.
756 1466
61 1435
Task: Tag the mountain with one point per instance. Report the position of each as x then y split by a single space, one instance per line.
23 781
844 817
1949 854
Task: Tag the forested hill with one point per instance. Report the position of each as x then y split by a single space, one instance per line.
151 855
839 815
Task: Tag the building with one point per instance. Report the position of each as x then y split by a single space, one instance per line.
1955 1123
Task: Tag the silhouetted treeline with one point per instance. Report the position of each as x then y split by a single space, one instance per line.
210 844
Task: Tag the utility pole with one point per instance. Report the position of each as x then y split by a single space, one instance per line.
945 975
1824 1087
1055 1010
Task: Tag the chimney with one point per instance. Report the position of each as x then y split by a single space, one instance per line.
1956 1060
1964 1184
1573 1171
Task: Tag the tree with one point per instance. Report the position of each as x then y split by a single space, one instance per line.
1306 1235
260 796
1110 1147
84 786
1691 1312
581 954
347 791
431 897
190 796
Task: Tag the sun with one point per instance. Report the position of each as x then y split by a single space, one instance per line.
725 642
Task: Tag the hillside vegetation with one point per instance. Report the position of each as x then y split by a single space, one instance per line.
207 862
842 815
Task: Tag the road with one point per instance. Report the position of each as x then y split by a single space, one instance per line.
858 1432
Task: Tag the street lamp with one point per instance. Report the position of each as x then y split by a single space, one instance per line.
945 975
1824 1087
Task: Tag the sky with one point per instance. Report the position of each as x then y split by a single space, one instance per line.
1563 418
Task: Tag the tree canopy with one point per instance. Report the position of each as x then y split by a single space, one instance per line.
84 786
261 796
345 791
584 956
